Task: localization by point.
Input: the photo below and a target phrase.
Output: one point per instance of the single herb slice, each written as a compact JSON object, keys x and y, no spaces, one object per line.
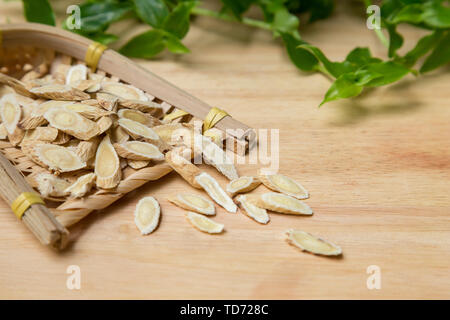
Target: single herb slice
{"x":203,"y":223}
{"x":258,"y":214}
{"x":284,"y":184}
{"x":147,"y":215}
{"x":213,"y":189}
{"x":193,"y":202}
{"x":307,"y":242}
{"x":281,"y":203}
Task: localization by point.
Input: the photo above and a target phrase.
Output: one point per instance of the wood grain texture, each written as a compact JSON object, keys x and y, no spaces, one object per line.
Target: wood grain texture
{"x":377,"y":168}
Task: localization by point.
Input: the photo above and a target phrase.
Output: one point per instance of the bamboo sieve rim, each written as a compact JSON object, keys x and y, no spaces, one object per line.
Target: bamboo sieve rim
{"x":24,"y":201}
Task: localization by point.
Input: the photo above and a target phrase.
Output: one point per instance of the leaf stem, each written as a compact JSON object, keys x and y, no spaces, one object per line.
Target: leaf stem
{"x":226,"y":17}
{"x":378,"y":32}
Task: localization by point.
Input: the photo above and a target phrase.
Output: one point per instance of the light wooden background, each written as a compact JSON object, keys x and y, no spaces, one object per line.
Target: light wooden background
{"x":377,"y":168}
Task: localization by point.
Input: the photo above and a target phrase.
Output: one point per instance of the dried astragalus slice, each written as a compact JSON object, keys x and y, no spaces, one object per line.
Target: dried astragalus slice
{"x":60,"y":92}
{"x":215,"y":156}
{"x":50,"y":185}
{"x":72,"y":123}
{"x":119,"y":135}
{"x":242,"y":184}
{"x":123,"y":91}
{"x":104,"y":123}
{"x":15,"y":84}
{"x":138,"y":164}
{"x":138,"y":130}
{"x":75,"y":74}
{"x":146,"y":215}
{"x":137,"y":150}
{"x":36,"y":118}
{"x":86,"y":149}
{"x":150,"y":107}
{"x":10,"y":112}
{"x":185,"y":168}
{"x":193,"y":202}
{"x":283,"y":184}
{"x":3,"y":132}
{"x":88,"y":111}
{"x":107,"y":165}
{"x":62,"y":138}
{"x":82,"y":186}
{"x":279,"y":202}
{"x":307,"y":242}
{"x":203,"y":223}
{"x":139,"y":116}
{"x":54,"y":157}
{"x":213,"y":189}
{"x":176,"y":134}
{"x":258,"y":214}
{"x":46,"y":134}
{"x":107,"y":101}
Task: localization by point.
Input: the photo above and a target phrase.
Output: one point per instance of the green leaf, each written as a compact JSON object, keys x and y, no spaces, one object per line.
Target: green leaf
{"x":284,"y":21}
{"x":395,"y":40}
{"x":145,"y":45}
{"x":439,"y":56}
{"x":38,"y":11}
{"x":174,"y":45}
{"x":436,"y":15}
{"x":344,"y":87}
{"x":361,"y":56}
{"x":423,"y":46}
{"x":334,"y":68}
{"x":389,"y":72}
{"x":152,"y":12}
{"x":302,"y":58}
{"x":237,"y":7}
{"x":97,"y":16}
{"x":177,"y":22}
{"x":412,"y":13}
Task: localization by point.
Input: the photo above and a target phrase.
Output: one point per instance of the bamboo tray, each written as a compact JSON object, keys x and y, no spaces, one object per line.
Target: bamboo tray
{"x":34,"y":44}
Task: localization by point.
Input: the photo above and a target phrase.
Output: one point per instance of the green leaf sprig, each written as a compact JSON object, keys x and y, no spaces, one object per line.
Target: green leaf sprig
{"x":169,"y":22}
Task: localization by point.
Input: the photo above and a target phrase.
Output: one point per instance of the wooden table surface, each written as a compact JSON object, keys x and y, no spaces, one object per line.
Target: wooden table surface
{"x":377,"y":168}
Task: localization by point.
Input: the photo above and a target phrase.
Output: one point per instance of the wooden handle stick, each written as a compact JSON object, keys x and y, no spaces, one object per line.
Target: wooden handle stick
{"x":15,"y":191}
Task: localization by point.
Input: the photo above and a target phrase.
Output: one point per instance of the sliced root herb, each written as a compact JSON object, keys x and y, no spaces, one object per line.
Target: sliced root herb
{"x":137,"y":150}
{"x":82,"y":186}
{"x":72,"y":123}
{"x":307,"y":242}
{"x":203,"y":223}
{"x":193,"y":202}
{"x":258,"y":214}
{"x":212,"y":187}
{"x":54,"y":157}
{"x":147,"y":214}
{"x":107,"y":165}
{"x":185,"y":168}
{"x":281,"y":203}
{"x":242,"y":184}
{"x":283,"y":184}
{"x":59,"y":92}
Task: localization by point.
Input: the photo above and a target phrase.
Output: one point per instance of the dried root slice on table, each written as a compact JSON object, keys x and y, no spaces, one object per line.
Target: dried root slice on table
{"x":87,"y":111}
{"x":76,"y":74}
{"x":123,"y":91}
{"x":82,"y":186}
{"x":138,"y":116}
{"x":3,"y":132}
{"x":138,"y":130}
{"x":50,"y":185}
{"x":242,"y":185}
{"x":203,"y":223}
{"x":283,"y":184}
{"x":138,"y":150}
{"x":185,"y":168}
{"x":16,"y":85}
{"x":72,"y":123}
{"x":107,"y":165}
{"x":258,"y":214}
{"x":310,"y":243}
{"x":53,"y":157}
{"x":138,"y":164}
{"x":146,"y":215}
{"x":45,"y":134}
{"x":10,"y":114}
{"x":213,"y":189}
{"x":281,"y":203}
{"x":176,"y":134}
{"x":193,"y":202}
{"x":216,"y":156}
{"x":60,"y":92}
{"x":150,"y":107}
